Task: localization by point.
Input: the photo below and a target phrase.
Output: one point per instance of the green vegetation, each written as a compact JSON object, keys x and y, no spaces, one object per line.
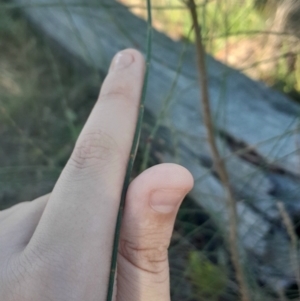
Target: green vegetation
{"x":236,"y":33}
{"x":219,"y":19}
{"x":39,"y":96}
{"x":209,"y":280}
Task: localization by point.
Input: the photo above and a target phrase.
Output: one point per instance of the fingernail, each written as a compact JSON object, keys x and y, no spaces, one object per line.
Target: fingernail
{"x":122,"y":60}
{"x":166,"y":201}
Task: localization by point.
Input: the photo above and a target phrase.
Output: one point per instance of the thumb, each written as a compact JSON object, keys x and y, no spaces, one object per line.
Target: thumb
{"x":152,"y":202}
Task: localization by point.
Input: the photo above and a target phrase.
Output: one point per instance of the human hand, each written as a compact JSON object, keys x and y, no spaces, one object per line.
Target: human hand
{"x":58,"y":247}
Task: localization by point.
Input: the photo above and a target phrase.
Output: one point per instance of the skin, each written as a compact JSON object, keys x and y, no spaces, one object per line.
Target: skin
{"x":58,"y":247}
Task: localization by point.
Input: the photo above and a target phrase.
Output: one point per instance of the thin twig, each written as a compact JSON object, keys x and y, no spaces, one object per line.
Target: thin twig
{"x":166,"y":105}
{"x":281,"y":294}
{"x":130,"y":162}
{"x":218,"y":162}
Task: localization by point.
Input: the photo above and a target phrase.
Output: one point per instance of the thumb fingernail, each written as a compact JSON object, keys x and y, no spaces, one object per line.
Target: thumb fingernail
{"x":166,"y":201}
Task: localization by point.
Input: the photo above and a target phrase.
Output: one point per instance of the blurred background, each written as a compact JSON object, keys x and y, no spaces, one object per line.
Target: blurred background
{"x":53,"y":58}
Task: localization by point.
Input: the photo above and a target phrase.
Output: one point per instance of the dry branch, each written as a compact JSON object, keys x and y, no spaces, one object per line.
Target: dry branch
{"x":218,"y":161}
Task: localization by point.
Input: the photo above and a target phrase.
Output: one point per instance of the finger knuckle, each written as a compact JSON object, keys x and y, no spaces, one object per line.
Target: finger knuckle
{"x":122,"y":95}
{"x":29,"y":270}
{"x":152,"y":258}
{"x":118,"y":93}
{"x":14,"y":276}
{"x":93,"y":149}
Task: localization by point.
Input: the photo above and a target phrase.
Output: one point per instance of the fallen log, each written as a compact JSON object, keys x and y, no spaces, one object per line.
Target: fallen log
{"x":256,"y":127}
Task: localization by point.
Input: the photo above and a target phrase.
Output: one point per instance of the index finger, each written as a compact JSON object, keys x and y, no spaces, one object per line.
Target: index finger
{"x":83,"y":206}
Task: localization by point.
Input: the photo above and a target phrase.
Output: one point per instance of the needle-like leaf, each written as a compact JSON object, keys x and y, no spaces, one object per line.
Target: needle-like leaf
{"x":131,"y":159}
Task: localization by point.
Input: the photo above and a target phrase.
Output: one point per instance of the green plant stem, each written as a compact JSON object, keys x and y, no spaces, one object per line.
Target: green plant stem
{"x":162,"y":113}
{"x":218,"y":162}
{"x":130,"y":161}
